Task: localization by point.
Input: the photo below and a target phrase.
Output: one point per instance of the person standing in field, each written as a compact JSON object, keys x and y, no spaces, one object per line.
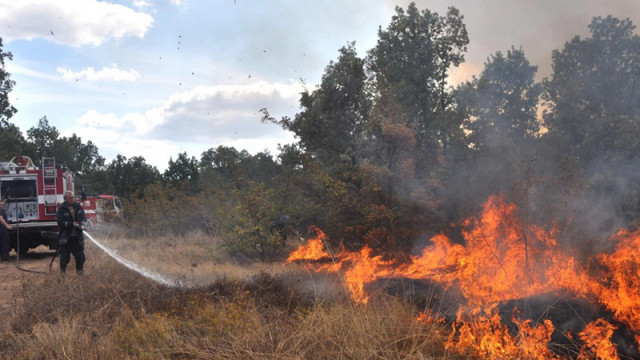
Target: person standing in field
{"x":70,"y":217}
{"x":4,"y":233}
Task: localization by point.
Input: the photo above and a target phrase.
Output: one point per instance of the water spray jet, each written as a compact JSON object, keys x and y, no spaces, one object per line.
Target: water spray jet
{"x":132,"y":266}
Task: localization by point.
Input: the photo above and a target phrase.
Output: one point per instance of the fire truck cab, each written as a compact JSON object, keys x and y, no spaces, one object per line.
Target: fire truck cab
{"x":101,"y":209}
{"x":33,"y":195}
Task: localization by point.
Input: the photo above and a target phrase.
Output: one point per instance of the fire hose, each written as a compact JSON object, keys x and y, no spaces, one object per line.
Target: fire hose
{"x":144,"y":272}
{"x":18,"y":250}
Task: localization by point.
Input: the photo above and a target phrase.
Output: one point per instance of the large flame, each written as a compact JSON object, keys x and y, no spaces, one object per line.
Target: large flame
{"x":314,"y":250}
{"x":596,"y":336}
{"x":487,"y":337}
{"x":620,"y":286}
{"x":503,"y":259}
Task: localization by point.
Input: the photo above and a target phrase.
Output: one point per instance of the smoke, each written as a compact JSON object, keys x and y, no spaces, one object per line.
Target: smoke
{"x":609,"y":202}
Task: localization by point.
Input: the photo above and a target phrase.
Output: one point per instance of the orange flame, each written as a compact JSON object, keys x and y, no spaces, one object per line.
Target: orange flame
{"x":503,"y":259}
{"x":487,"y":337}
{"x":314,"y":250}
{"x":622,"y":293}
{"x":496,"y":264}
{"x":597,"y":339}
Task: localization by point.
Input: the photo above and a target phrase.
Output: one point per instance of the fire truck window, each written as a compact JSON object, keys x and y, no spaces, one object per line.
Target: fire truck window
{"x":19,"y":189}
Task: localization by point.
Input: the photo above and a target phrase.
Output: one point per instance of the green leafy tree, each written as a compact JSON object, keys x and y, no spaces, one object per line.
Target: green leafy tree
{"x":501,"y":105}
{"x":12,"y":142}
{"x":410,"y":66}
{"x":333,"y":122}
{"x":593,"y":95}
{"x":43,"y":137}
{"x":131,"y":176}
{"x":80,"y":157}
{"x":263,"y":168}
{"x":294,"y":189}
{"x":499,"y":111}
{"x":593,"y":122}
{"x":254,"y":233}
{"x":222,"y":162}
{"x":182,"y":170}
{"x":395,"y":206}
{"x":500,"y":116}
{"x":83,"y":159}
{"x":332,"y":129}
{"x":363,"y":136}
{"x":6,"y":85}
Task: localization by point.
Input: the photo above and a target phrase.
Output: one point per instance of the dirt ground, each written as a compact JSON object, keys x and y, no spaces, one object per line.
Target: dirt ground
{"x":35,"y":263}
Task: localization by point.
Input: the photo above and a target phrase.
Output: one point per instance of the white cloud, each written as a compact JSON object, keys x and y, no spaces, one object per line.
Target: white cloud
{"x":71,"y":22}
{"x":94,"y":119}
{"x":112,"y":142}
{"x":231,"y":92}
{"x":111,"y":73}
{"x":194,"y":121}
{"x":17,"y":69}
{"x":136,"y":124}
{"x":141,"y":4}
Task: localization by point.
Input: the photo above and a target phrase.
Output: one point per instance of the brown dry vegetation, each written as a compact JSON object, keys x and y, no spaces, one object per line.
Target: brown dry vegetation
{"x":224,"y":311}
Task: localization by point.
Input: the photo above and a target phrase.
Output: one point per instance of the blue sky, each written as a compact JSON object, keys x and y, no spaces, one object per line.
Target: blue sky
{"x":154,"y":78}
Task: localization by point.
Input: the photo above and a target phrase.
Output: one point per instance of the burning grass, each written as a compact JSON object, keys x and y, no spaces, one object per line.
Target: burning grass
{"x":114,"y":313}
{"x":501,"y":262}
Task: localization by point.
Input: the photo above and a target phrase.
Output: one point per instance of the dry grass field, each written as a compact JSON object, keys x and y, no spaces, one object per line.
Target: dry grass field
{"x":217,"y":309}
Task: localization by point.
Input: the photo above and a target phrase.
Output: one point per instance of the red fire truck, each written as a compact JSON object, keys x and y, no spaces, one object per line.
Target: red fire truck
{"x":32,"y":195}
{"x":101,"y":209}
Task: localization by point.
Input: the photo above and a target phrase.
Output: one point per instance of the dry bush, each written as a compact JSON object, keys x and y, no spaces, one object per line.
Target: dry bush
{"x":385,"y":330}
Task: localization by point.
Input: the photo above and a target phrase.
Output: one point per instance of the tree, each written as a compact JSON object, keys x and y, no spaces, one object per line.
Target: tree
{"x":499,"y":112}
{"x":6,"y":85}
{"x":222,"y":160}
{"x":333,"y":120}
{"x":593,"y":122}
{"x":332,"y":128}
{"x":501,"y":105}
{"x":131,"y":176}
{"x":79,"y":157}
{"x":409,"y":67}
{"x":593,"y":94}
{"x":394,"y":204}
{"x":43,"y":137}
{"x":370,"y":122}
{"x":184,"y":169}
{"x":254,"y":232}
{"x":12,"y":142}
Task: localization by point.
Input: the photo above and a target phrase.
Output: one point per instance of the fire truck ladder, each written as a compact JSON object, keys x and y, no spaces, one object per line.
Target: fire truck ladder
{"x":49,"y":186}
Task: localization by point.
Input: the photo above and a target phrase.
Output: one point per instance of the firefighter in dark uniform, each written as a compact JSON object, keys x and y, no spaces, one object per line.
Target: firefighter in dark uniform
{"x":4,"y":233}
{"x":71,"y":219}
